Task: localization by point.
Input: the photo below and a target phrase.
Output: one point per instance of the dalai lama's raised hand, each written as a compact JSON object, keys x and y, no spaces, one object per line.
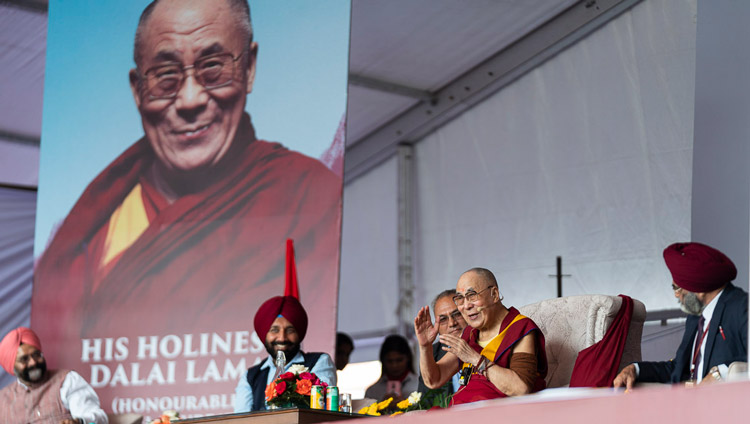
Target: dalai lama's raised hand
{"x":425,"y":331}
{"x":460,"y":348}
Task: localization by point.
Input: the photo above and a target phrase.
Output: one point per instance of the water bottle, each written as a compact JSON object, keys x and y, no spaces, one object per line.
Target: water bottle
{"x":280,"y":364}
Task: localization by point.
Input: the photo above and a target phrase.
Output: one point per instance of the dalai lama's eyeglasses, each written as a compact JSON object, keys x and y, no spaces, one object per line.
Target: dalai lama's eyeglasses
{"x":470,"y":296}
{"x":214,"y":71}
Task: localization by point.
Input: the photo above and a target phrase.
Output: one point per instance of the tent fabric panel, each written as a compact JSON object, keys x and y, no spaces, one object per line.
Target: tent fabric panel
{"x":588,"y":156}
{"x":17,"y":211}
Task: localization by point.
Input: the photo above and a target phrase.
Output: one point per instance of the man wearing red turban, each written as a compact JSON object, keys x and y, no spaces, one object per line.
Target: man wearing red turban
{"x":54,"y":396}
{"x":281,"y":322}
{"x":716,"y":327}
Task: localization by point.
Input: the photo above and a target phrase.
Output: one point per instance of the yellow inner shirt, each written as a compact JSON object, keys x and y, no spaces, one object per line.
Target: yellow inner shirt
{"x":126,"y":224}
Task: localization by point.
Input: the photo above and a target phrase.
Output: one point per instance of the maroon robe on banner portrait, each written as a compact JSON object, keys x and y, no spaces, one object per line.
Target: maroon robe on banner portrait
{"x":204,"y":264}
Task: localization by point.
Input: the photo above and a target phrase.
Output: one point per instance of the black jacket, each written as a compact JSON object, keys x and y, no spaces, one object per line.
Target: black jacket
{"x":731,"y":315}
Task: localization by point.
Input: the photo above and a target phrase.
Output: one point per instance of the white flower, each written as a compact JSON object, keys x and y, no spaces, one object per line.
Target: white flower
{"x":414,"y":398}
{"x":171,"y":413}
{"x":298,"y":369}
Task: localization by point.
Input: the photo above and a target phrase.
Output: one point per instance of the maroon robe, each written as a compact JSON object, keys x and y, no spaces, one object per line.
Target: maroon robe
{"x":205,"y":263}
{"x":479,"y":387}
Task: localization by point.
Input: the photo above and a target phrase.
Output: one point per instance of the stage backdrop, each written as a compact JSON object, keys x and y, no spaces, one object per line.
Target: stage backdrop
{"x":151,"y":297}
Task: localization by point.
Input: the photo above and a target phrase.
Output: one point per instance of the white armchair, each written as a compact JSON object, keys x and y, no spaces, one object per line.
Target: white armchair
{"x":573,"y":323}
{"x":737,"y":371}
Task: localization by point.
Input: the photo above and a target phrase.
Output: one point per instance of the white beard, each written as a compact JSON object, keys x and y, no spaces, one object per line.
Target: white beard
{"x":35,"y":375}
{"x":691,"y":305}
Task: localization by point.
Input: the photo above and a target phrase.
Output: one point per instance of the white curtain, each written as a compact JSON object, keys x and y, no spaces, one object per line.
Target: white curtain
{"x":368,"y":285}
{"x":588,"y":156}
{"x":369,"y":276}
{"x":17,"y":212}
{"x":23,"y":41}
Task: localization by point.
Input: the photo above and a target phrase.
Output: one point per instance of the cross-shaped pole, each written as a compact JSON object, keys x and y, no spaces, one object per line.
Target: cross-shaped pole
{"x":559,"y":276}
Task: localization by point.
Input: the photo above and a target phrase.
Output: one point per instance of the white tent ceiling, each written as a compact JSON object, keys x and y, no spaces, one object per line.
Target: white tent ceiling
{"x":423,"y":45}
{"x":416,"y":65}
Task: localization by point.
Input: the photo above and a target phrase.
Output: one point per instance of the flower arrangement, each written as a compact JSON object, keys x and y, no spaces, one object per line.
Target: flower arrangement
{"x":412,"y":403}
{"x":432,"y":399}
{"x":292,"y":388}
{"x":167,"y":417}
{"x":376,"y":408}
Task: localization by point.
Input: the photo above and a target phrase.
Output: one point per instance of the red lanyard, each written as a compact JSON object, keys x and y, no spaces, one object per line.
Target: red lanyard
{"x":698,"y":348}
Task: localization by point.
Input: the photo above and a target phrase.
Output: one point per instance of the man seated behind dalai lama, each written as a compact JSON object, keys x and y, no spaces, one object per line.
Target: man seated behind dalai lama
{"x":198,"y":201}
{"x":501,"y":349}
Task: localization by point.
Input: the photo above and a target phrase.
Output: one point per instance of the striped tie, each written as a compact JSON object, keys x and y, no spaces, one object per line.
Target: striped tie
{"x":698,"y":343}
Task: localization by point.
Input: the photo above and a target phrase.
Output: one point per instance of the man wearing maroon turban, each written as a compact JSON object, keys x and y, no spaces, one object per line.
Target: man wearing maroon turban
{"x":54,"y":396}
{"x":716,"y":327}
{"x":281,"y":322}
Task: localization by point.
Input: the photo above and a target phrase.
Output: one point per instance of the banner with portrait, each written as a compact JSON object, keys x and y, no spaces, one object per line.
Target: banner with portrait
{"x":178,"y":156}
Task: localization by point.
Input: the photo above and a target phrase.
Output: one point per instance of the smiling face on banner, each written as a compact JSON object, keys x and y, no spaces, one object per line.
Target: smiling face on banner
{"x":196,"y":66}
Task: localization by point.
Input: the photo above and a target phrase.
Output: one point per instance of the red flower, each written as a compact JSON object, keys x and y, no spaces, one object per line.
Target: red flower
{"x":280,"y":387}
{"x":318,"y":382}
{"x":306,"y":376}
{"x":287,"y":376}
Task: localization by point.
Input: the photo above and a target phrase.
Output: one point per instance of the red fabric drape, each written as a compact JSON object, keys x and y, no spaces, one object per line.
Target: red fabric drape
{"x":291,"y":287}
{"x":597,"y":365}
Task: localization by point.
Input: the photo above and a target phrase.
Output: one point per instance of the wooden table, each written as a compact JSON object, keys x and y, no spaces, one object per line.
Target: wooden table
{"x":277,"y":416}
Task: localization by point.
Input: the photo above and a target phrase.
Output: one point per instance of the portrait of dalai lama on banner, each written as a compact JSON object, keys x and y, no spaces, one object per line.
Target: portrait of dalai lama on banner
{"x":184,"y":231}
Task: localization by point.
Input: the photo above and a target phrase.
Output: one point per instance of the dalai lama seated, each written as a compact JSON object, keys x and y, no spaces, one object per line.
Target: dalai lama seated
{"x":500,"y":352}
